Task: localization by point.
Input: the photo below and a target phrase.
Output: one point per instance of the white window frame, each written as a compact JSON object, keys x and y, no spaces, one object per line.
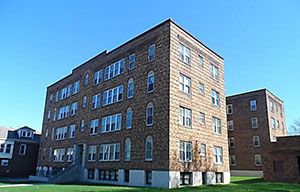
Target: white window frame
{"x":214,"y":72}
{"x":149,"y":149}
{"x":4,"y":162}
{"x":184,"y":84}
{"x":114,"y":69}
{"x":72,"y":131}
{"x":151,"y":53}
{"x":92,"y":153}
{"x":109,"y":152}
{"x":129,"y":118}
{"x":256,"y":120}
{"x":231,"y":142}
{"x":24,"y":150}
{"x":215,"y":98}
{"x":130,"y":88}
{"x":202,"y":118}
{"x":185,"y":116}
{"x":184,"y":54}
{"x":257,"y":157}
{"x":97,"y":77}
{"x":273,"y":123}
{"x":96,"y":101}
{"x":131,"y":61}
{"x":201,"y":88}
{"x":185,"y":151}
{"x":256,"y":138}
{"x":230,"y":126}
{"x":86,"y":79}
{"x":127,"y":149}
{"x":76,"y":87}
{"x":253,"y":105}
{"x":113,"y":95}
{"x":217,"y":125}
{"x":74,"y":108}
{"x":94,"y":125}
{"x":148,"y":114}
{"x":232,"y":158}
{"x":200,"y":61}
{"x":203,"y":150}
{"x":218,"y":155}
{"x":70,"y":154}
{"x":229,"y":109}
{"x":149,"y":82}
{"x":111,"y":123}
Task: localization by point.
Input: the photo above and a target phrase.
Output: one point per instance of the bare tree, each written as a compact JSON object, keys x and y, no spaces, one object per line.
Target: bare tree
{"x":295,"y":128}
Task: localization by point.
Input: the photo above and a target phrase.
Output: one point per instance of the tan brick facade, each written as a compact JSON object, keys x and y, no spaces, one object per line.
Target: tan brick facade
{"x":243,"y":132}
{"x":166,"y":98}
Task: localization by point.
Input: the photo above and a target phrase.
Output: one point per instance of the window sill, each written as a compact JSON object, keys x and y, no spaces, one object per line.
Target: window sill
{"x":187,"y":94}
{"x":218,"y":134}
{"x":148,"y":160}
{"x":188,"y":64}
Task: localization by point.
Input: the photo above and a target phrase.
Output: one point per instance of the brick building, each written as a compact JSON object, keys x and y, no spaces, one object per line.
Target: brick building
{"x":254,"y":120}
{"x":282,"y":163}
{"x":18,"y":151}
{"x":149,"y":113}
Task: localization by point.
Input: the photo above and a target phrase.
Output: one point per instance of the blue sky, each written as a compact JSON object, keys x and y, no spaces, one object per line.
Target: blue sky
{"x":42,"y":41}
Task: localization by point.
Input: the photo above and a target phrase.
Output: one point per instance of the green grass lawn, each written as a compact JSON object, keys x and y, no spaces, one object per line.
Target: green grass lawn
{"x":238,"y":184}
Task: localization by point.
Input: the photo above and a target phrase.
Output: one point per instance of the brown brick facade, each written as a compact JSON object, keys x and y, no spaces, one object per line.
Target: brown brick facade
{"x":166,"y":98}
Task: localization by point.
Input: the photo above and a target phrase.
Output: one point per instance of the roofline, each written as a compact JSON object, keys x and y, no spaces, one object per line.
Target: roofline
{"x":169,"y":20}
{"x":258,"y":90}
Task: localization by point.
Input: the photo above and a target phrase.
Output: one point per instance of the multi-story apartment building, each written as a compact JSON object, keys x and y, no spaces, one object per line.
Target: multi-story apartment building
{"x":151,"y":112}
{"x":18,"y":151}
{"x":254,"y":120}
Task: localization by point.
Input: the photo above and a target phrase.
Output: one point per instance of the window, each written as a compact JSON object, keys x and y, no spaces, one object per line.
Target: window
{"x":72,"y":131}
{"x":231,"y":142}
{"x":278,"y":166}
{"x":149,"y":149}
{"x":56,"y":96}
{"x":184,"y":84}
{"x":282,"y":126}
{"x":50,"y":154}
{"x":130,"y":88}
{"x":76,"y":87}
{"x":94,"y":126}
{"x":59,"y":155}
{"x":46,"y":134}
{"x":127,"y":149}
{"x":201,"y":88}
{"x":203,"y":150}
{"x":109,"y":152}
{"x":126,"y":176}
{"x":129,"y":118}
{"x":202,"y":118}
{"x":214,"y":72}
{"x":50,"y":98}
{"x":86,"y":79}
{"x":69,"y":90}
{"x":232,"y":160}
{"x":257,"y":160}
{"x":49,"y":114}
{"x":53,"y":133}
{"x":84,"y":102}
{"x":111,"y":123}
{"x":219,"y":177}
{"x":82,"y":125}
{"x":54,"y":114}
{"x":70,"y":153}
{"x":216,"y":125}
{"x":148,"y":176}
{"x":74,"y":108}
{"x":218,"y":155}
{"x":271,"y":106}
{"x":61,"y":133}
{"x":229,"y":109}
{"x":215,"y":98}
{"x":185,"y":116}
{"x":280,"y":110}
{"x":254,"y":122}
{"x":150,"y":82}
{"x":96,"y":101}
{"x":111,"y":175}
{"x":64,"y":112}
{"x":8,"y":148}
{"x":230,"y":125}
{"x":184,"y":54}
{"x":151,"y":53}
{"x":278,"y":125}
{"x":256,"y":141}
{"x":92,"y":153}
{"x":4,"y":163}
{"x":131,"y":61}
{"x":113,"y":95}
{"x":200,"y":61}
{"x":22,"y":150}
{"x":97,"y":77}
{"x":114,"y":69}
{"x":91,"y":174}
{"x":253,"y":106}
{"x":149,"y":114}
{"x":185,"y":151}
{"x":273,"y":123}
{"x":185,"y":178}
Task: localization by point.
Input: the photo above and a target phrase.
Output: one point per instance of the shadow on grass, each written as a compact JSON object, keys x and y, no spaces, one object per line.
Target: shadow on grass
{"x":249,"y":181}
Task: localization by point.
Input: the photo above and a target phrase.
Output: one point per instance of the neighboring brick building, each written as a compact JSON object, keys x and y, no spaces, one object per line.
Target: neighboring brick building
{"x":282,"y":164}
{"x":18,"y":151}
{"x":149,"y":113}
{"x":254,"y":120}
